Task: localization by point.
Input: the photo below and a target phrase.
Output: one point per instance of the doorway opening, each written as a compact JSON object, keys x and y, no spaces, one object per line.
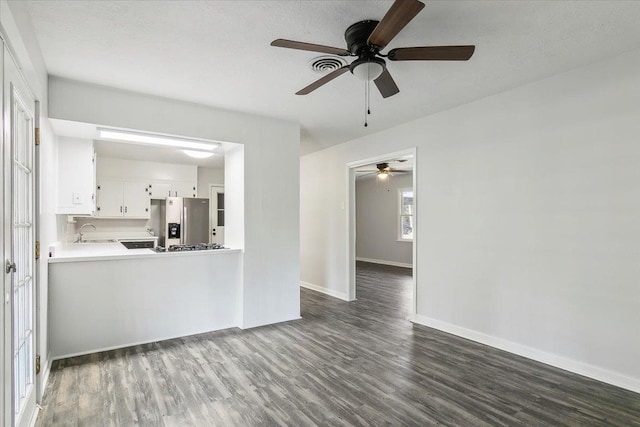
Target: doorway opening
{"x":216,"y":213}
{"x":382,"y":226}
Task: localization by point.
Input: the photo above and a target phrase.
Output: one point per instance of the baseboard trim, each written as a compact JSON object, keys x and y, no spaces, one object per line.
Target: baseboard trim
{"x":258,"y":325}
{"x":379,"y":261}
{"x":45,"y":377}
{"x":132,"y":344}
{"x":584,"y":369}
{"x":331,"y":292}
{"x":34,"y":416}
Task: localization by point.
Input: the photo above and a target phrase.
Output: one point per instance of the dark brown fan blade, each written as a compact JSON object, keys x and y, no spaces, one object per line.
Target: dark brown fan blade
{"x":399,"y":14}
{"x":432,"y":53}
{"x":386,"y":85}
{"x":326,"y":79}
{"x":291,"y":44}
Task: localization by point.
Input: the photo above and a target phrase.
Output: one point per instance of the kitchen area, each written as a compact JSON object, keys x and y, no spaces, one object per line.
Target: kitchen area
{"x":141,"y":254}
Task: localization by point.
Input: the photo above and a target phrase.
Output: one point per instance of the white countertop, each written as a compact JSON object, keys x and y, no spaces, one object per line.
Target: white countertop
{"x":111,"y":251}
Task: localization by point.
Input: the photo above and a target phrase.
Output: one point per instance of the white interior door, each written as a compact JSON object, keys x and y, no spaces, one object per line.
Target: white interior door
{"x":19,"y":268}
{"x":216,"y":210}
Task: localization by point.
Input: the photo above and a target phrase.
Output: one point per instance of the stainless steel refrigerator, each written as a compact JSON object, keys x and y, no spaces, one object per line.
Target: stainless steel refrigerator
{"x":183,"y":221}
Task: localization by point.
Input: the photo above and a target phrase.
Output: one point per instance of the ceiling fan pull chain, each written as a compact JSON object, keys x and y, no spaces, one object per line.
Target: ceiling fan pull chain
{"x":365,"y":105}
{"x":368,"y":96}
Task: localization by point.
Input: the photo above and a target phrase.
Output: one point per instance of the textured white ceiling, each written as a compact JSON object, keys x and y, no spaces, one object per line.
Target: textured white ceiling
{"x":217,"y":53}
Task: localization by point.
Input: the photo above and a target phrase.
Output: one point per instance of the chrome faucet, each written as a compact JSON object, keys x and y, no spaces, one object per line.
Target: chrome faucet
{"x":80,"y":240}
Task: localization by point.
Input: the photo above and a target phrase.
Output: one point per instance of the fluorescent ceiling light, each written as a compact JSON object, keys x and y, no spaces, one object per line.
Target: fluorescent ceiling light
{"x":152,"y":139}
{"x":198,"y":154}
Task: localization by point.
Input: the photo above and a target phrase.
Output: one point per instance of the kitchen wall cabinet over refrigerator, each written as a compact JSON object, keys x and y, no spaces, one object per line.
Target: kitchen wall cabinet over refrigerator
{"x":117,"y":199}
{"x":161,"y":190}
{"x":76,"y":178}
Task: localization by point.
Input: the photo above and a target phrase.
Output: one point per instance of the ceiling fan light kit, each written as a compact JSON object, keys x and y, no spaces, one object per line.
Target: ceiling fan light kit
{"x":366,"y":39}
{"x":367,"y":69}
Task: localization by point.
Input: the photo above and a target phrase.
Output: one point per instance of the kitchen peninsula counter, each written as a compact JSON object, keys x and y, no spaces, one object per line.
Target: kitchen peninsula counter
{"x":103,"y":296}
{"x":110,"y":251}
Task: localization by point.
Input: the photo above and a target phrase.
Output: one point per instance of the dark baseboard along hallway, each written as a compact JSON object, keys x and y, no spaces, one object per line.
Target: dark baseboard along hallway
{"x":358,"y":363}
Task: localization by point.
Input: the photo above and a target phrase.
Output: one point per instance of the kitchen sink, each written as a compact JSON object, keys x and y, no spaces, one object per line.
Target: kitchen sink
{"x":138,"y":244}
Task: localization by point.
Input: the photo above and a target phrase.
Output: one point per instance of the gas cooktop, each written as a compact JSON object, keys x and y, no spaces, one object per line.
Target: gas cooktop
{"x":187,"y":248}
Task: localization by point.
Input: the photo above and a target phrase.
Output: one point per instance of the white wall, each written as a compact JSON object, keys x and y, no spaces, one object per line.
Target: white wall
{"x":528,"y":218}
{"x":207,"y":176}
{"x":377,"y":221}
{"x":271,"y":198}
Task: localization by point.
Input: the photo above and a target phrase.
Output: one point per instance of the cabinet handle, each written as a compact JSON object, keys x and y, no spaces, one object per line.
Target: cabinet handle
{"x":125,"y":209}
{"x":120,"y":209}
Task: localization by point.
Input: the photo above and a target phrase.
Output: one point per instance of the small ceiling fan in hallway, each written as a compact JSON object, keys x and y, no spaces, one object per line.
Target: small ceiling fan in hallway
{"x":384,"y":170}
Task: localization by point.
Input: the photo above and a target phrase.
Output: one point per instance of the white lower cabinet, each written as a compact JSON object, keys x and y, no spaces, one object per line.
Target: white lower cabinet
{"x":117,"y":199}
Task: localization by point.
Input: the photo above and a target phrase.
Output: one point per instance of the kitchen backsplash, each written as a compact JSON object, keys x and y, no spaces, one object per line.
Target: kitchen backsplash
{"x":108,"y":229}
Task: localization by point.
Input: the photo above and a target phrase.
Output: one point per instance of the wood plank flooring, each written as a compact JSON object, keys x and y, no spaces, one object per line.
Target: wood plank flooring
{"x":358,"y":363}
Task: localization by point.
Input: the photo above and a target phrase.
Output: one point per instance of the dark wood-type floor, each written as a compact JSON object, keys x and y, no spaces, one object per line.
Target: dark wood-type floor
{"x":358,"y":363}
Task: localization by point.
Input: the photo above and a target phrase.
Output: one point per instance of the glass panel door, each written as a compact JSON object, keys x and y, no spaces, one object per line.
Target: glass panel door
{"x":19,"y":136}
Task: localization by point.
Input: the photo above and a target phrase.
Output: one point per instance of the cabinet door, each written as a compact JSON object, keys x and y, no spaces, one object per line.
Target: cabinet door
{"x":183,"y":189}
{"x":160,"y":190}
{"x":109,"y":203}
{"x":136,"y":200}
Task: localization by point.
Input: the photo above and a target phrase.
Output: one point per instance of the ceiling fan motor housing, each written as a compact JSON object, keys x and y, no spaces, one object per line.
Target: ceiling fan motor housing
{"x":357,"y":36}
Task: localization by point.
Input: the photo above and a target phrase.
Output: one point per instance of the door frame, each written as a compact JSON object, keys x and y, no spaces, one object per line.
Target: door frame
{"x":211,"y":213}
{"x":351,"y":221}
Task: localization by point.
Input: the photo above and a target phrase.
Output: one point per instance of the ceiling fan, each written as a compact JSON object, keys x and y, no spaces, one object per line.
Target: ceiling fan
{"x":384,"y":171}
{"x":365,"y":40}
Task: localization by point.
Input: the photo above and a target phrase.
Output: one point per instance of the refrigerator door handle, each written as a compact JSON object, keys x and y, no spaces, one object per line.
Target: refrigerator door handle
{"x":184,"y":225}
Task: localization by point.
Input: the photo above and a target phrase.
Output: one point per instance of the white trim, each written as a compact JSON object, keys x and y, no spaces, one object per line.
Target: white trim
{"x":379,"y":261}
{"x":577,"y":367}
{"x":34,"y":416}
{"x":331,"y":292}
{"x":45,"y":379}
{"x":258,"y":325}
{"x":133,"y":344}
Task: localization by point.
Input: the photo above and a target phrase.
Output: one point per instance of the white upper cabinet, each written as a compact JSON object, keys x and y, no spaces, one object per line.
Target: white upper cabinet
{"x":162,"y":179}
{"x":136,"y":199}
{"x":184,"y":189}
{"x":160,"y":190}
{"x":118,"y":199}
{"x":76,"y":178}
